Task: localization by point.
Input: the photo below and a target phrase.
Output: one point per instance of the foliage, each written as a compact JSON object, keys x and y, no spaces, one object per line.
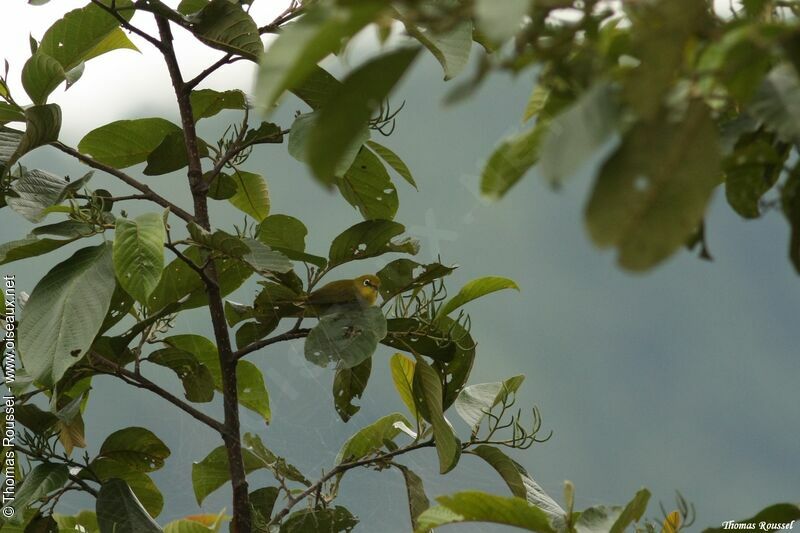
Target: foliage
{"x":672,"y":98}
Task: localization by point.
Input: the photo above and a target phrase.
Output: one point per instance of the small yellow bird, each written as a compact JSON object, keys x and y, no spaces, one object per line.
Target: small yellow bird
{"x":362,"y":290}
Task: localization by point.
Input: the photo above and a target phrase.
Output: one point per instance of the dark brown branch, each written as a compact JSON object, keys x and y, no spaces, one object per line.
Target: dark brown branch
{"x":289,"y":335}
{"x":242,"y":518}
{"x":227,"y":59}
{"x":122,"y":176}
{"x":342,"y":468}
{"x":139,"y":381}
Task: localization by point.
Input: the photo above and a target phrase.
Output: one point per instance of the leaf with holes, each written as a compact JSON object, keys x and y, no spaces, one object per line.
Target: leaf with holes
{"x":367,"y":187}
{"x":346,"y":336}
{"x":370,"y":239}
{"x":348,"y":385}
{"x":136,"y":447}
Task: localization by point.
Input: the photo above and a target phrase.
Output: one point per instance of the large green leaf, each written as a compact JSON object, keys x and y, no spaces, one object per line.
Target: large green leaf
{"x":415,"y":491}
{"x":228,"y":27}
{"x":123,"y":143}
{"x":483,"y":507}
{"x":346,"y":336}
{"x":29,"y":247}
{"x":139,"y":254}
{"x":369,"y":239}
{"x":451,"y":48}
{"x":119,"y":511}
{"x":348,"y":385}
{"x":652,"y":194}
{"x":82,"y":34}
{"x":40,"y":76}
{"x":428,"y":396}
{"x":299,"y":139}
{"x":11,"y":113}
{"x":577,"y":134}
{"x":476,"y":288}
{"x":294,"y":55}
{"x":170,"y":154}
{"x":775,"y":517}
{"x":347,"y":111}
{"x":519,"y":482}
{"x":367,"y":187}
{"x":36,"y":191}
{"x":283,"y":231}
{"x":475,"y":401}
{"x":140,"y":483}
{"x":208,"y":102}
{"x":42,"y":480}
{"x":138,"y":448}
{"x":198,"y":383}
{"x":250,"y":382}
{"x":42,"y":126}
{"x":252,"y":195}
{"x":371,"y":438}
{"x":394,"y":161}
{"x":65,"y":312}
{"x":213,"y":471}
{"x":317,"y":86}
{"x":511,"y":160}
{"x":776,"y":104}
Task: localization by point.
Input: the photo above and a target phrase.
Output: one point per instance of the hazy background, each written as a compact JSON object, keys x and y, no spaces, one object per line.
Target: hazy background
{"x":682,"y":379}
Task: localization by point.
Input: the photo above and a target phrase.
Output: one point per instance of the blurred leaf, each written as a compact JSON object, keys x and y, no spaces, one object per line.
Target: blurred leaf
{"x":511,"y":160}
{"x":263,"y":501}
{"x":750,"y":171}
{"x":577,"y":134}
{"x":317,"y":86}
{"x":394,"y":161}
{"x":428,"y":395}
{"x":294,"y":55}
{"x":333,"y":520}
{"x":473,"y":290}
{"x":40,"y":77}
{"x":11,"y":113}
{"x":346,"y":336}
{"x":348,"y":385}
{"x":371,"y":438}
{"x":227,"y":27}
{"x":83,"y":522}
{"x":403,"y":377}
{"x":475,"y":401}
{"x":119,"y":511}
{"x":597,"y":519}
{"x":483,"y":507}
{"x":777,"y":516}
{"x":672,"y":523}
{"x":299,"y":138}
{"x":42,"y":126}
{"x":369,"y":239}
{"x":501,"y":20}
{"x":208,"y":102}
{"x":65,"y":312}
{"x":347,"y":111}
{"x":124,"y":143}
{"x":777,"y":103}
{"x":652,"y":193}
{"x":633,"y":512}
{"x":790,"y":204}
{"x":450,"y":48}
{"x":139,"y":254}
{"x":252,"y":194}
{"x":367,"y":187}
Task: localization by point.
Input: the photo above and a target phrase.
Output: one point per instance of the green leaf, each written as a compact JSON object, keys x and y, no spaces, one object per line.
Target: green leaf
{"x":294,"y":55}
{"x":29,"y":247}
{"x":139,"y":254}
{"x":9,"y":141}
{"x":483,"y":507}
{"x":83,"y":34}
{"x":40,"y":77}
{"x":117,"y":39}
{"x":412,"y":335}
{"x":11,"y":113}
{"x":170,"y":154}
{"x":367,"y":187}
{"x":70,"y":229}
{"x":119,"y":511}
{"x":65,"y":312}
{"x":208,"y":102}
{"x":347,"y":111}
{"x":417,"y":499}
{"x":348,"y":385}
{"x":790,"y":205}
{"x":283,"y":232}
{"x":188,"y":7}
{"x":750,"y":171}
{"x":501,"y":20}
{"x":277,"y":465}
{"x":578,"y":133}
{"x":537,"y":102}
{"x":332,"y":519}
{"x":394,"y":161}
{"x":511,"y":160}
{"x":428,"y":397}
{"x":212,"y":472}
{"x":300,"y":135}
{"x":777,"y":516}
{"x":371,"y":438}
{"x":83,"y":522}
{"x":316,"y":87}
{"x":226,"y":26}
{"x":263,"y":501}
{"x":136,"y":447}
{"x":251,"y":251}
{"x":346,"y":336}
{"x":450,"y":48}
{"x":369,"y":239}
{"x":475,"y":401}
{"x":403,"y":378}
{"x":652,"y":193}
{"x":198,"y":383}
{"x":124,"y":143}
{"x":36,"y":191}
{"x":776,"y":104}
{"x":186,"y":526}
{"x":476,"y":288}
{"x":519,"y":481}
{"x":250,"y":382}
{"x":222,"y":187}
{"x":633,"y":511}
{"x":42,"y":126}
{"x":598,"y":519}
{"x":264,"y":260}
{"x":252,"y":194}
{"x":403,"y":275}
{"x":39,"y":482}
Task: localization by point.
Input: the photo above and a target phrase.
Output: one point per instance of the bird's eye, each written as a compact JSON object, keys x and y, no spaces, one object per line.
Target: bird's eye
{"x":367,"y":283}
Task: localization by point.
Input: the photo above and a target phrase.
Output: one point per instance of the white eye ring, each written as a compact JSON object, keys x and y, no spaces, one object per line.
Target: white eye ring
{"x":367,"y":283}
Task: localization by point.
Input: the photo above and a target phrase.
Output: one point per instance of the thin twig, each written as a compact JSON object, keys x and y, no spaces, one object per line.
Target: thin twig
{"x":127,"y":25}
{"x":289,"y":335}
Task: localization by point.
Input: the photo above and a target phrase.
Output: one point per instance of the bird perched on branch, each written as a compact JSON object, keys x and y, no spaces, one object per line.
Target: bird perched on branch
{"x":362,"y":291}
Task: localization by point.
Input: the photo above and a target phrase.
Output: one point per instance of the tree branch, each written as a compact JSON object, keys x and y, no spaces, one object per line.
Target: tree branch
{"x":340,"y":469}
{"x":289,"y":335}
{"x":122,"y":176}
{"x":127,"y":25}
